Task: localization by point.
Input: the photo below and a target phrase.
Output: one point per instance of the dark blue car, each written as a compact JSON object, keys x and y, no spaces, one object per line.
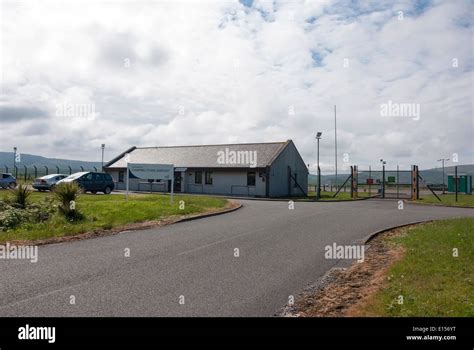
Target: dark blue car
{"x":91,"y":181}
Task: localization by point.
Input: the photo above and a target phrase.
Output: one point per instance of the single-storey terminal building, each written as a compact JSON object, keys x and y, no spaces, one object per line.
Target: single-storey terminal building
{"x":273,"y":169}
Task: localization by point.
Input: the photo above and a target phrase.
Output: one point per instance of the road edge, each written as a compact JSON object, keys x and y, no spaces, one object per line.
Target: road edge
{"x":290,"y":311}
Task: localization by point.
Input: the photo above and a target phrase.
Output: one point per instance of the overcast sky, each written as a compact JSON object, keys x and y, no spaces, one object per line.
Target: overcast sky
{"x":76,"y":74}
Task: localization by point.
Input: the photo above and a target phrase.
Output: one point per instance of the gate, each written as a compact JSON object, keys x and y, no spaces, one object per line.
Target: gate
{"x":400,"y":183}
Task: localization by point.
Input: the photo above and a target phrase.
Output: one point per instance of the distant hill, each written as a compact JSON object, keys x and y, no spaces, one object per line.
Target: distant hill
{"x":430,"y":176}
{"x":6,"y":159}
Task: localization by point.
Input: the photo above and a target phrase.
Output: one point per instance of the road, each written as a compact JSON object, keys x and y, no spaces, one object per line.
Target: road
{"x":190,"y":268}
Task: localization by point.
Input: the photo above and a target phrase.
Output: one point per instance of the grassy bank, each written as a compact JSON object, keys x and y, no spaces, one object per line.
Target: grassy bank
{"x":431,"y":280}
{"x":464,"y":200}
{"x":107,"y":212}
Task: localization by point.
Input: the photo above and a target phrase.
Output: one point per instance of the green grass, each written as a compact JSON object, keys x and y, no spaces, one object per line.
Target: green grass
{"x":109,"y":211}
{"x":326,"y":195}
{"x":464,"y":200}
{"x":431,"y":280}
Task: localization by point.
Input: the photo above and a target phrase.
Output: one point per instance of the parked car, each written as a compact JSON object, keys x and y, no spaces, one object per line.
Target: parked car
{"x":47,"y":182}
{"x":91,"y":181}
{"x":7,"y":180}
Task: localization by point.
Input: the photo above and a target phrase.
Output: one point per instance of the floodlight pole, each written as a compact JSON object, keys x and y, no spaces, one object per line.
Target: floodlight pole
{"x":318,"y":190}
{"x":14,"y":158}
{"x":442,"y":161}
{"x":383,"y":177}
{"x":103,"y":148}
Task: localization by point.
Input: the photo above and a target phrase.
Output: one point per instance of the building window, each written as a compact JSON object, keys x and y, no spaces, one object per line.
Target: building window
{"x":198,"y":177}
{"x":121,"y":175}
{"x":296,"y":181}
{"x":208,"y":178}
{"x":251,"y":179}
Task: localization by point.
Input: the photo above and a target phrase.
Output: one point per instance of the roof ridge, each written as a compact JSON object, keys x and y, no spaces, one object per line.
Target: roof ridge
{"x":222,"y":144}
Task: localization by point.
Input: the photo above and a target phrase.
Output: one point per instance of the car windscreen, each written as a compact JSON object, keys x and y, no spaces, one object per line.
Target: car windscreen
{"x":75,"y":176}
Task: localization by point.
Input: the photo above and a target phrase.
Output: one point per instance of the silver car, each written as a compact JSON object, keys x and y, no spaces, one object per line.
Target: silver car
{"x":47,"y":182}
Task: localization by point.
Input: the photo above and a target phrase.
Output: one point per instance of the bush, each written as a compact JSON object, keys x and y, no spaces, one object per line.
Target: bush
{"x":20,"y":196}
{"x":11,"y":216}
{"x":67,"y":194}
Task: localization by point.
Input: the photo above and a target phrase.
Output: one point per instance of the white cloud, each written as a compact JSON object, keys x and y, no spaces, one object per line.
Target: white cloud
{"x":162,"y":73}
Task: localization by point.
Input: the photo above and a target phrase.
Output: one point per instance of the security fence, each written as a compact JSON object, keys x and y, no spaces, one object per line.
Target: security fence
{"x":29,"y":173}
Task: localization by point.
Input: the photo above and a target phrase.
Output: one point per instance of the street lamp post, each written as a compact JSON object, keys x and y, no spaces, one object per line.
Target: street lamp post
{"x":383,"y":177}
{"x":442,"y":160}
{"x":103,"y":148}
{"x":14,"y":159}
{"x":318,"y":190}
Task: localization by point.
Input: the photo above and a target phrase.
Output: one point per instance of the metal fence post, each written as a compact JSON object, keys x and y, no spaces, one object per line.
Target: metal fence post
{"x":352,"y":181}
{"x":398,"y":182}
{"x":456,"y":181}
{"x":383,"y":180}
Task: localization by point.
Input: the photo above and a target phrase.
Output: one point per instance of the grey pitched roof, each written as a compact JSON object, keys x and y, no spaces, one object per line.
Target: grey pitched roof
{"x":201,"y":156}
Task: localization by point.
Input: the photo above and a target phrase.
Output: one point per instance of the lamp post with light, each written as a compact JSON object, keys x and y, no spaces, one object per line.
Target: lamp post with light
{"x":318,"y":190}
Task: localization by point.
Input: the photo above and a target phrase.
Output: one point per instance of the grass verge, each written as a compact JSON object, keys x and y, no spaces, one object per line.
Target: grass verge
{"x":464,"y":200}
{"x":430,"y":278}
{"x":105,"y":212}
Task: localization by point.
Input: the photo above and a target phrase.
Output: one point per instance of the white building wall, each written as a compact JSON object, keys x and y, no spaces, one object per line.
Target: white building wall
{"x":226,"y":182}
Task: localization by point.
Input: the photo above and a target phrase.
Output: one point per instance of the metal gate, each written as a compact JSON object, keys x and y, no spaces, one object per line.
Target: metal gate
{"x":385,"y":183}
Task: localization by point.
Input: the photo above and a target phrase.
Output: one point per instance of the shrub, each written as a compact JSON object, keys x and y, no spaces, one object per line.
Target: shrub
{"x":11,"y":217}
{"x":20,"y":196}
{"x":67,"y":194}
